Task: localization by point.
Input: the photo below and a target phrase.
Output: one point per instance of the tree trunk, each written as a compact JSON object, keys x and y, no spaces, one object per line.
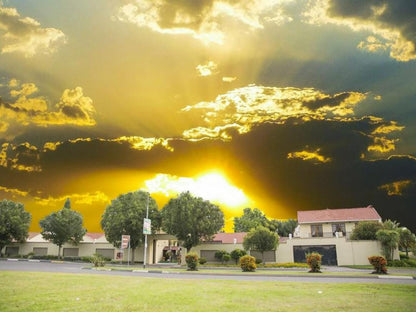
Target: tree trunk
{"x":59,"y":251}
{"x":132,"y":256}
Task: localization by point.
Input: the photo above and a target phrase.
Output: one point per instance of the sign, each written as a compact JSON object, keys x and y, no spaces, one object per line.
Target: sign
{"x":125,"y":239}
{"x":147,"y":226}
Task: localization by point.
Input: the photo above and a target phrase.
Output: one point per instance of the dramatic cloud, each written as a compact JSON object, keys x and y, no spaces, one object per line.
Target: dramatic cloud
{"x":241,"y":108}
{"x":207,"y":69}
{"x":313,"y":156}
{"x":396,"y":188}
{"x":391,"y":23}
{"x":86,"y":198}
{"x":23,"y":157}
{"x":25,"y":35}
{"x":74,"y":108}
{"x":204,"y":20}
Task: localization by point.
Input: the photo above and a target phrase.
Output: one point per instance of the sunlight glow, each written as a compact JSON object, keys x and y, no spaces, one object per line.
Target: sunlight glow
{"x":212,"y":186}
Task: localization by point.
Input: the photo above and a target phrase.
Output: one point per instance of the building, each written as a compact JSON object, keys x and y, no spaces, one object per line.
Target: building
{"x":325,"y":231}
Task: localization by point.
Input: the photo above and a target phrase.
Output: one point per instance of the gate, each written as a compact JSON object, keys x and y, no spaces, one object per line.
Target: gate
{"x":328,"y":252}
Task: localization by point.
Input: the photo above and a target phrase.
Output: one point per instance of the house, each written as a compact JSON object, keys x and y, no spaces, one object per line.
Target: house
{"x":328,"y":231}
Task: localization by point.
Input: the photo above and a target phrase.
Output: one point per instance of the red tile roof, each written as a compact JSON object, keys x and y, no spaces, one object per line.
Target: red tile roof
{"x":94,"y":235}
{"x":228,"y":238}
{"x":335,"y":215}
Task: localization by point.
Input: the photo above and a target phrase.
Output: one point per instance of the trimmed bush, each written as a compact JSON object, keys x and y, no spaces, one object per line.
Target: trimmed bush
{"x":379,"y":263}
{"x":192,"y":261}
{"x":97,"y":260}
{"x":236,"y":254}
{"x":202,"y":260}
{"x":248,"y":263}
{"x":258,"y":261}
{"x":314,"y":259}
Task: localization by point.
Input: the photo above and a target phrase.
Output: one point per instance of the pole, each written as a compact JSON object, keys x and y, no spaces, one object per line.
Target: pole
{"x":128,"y":254}
{"x":145,"y":235}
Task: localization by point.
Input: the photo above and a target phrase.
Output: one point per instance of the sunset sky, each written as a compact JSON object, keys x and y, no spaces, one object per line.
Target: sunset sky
{"x":281,"y":105}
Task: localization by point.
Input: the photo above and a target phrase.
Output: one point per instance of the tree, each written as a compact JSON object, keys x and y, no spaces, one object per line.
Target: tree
{"x":191,"y":219}
{"x":237,"y":253}
{"x":389,"y":241}
{"x":283,"y":228}
{"x":261,"y":239}
{"x":63,"y":226}
{"x":251,"y":218}
{"x":14,"y":223}
{"x":407,"y":240}
{"x":366,"y":230}
{"x":124,"y":216}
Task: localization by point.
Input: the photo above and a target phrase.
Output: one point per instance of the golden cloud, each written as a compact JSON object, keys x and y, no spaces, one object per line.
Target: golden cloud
{"x":313,"y":156}
{"x":207,"y":69}
{"x":382,"y":145}
{"x":25,"y":35}
{"x":390,"y":28}
{"x":85,"y":198}
{"x":395,"y":188}
{"x":241,"y":108}
{"x":13,"y":191}
{"x":73,"y":108}
{"x":387,"y":128}
{"x":203,"y":20}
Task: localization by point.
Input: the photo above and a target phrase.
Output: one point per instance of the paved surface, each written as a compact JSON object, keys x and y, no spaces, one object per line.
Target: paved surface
{"x":159,"y":272}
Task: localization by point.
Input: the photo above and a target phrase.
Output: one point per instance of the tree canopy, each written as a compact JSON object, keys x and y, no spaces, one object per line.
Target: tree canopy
{"x":261,"y":239}
{"x":251,"y":219}
{"x":366,"y":230}
{"x":14,"y":222}
{"x":191,"y":219}
{"x":407,"y":240}
{"x":124,"y":216}
{"x":63,"y":226}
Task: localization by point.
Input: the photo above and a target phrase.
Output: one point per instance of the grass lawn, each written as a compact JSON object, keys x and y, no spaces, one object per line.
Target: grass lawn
{"x":33,"y":291}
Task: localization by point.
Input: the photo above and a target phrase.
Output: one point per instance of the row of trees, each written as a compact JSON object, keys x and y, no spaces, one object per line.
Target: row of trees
{"x":389,"y":233}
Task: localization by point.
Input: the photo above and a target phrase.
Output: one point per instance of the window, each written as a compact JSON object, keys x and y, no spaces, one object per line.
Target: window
{"x":316,"y":230}
{"x":338,"y":227}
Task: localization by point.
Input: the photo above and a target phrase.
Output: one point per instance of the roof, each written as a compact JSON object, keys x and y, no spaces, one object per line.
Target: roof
{"x":228,"y":238}
{"x":338,"y":215}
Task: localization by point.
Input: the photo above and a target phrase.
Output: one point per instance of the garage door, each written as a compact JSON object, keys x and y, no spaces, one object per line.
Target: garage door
{"x":12,"y":251}
{"x":105,"y":252}
{"x":328,"y":252}
{"x":209,"y":255}
{"x":40,"y":251}
{"x":269,"y":256}
{"x":71,"y":252}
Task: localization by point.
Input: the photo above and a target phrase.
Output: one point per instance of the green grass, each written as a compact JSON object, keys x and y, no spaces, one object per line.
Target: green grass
{"x":33,"y":291}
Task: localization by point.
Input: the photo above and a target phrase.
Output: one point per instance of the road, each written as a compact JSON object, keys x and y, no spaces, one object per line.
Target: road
{"x":79,"y":268}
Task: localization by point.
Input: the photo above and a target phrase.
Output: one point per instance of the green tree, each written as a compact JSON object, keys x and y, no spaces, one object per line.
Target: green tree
{"x":283,"y":228}
{"x":14,"y":223}
{"x":63,"y":226}
{"x":389,"y":241}
{"x":407,"y":240}
{"x":366,"y":230}
{"x":261,"y":239}
{"x":191,"y":219}
{"x":251,"y":219}
{"x":124,"y":216}
{"x":236,"y":254}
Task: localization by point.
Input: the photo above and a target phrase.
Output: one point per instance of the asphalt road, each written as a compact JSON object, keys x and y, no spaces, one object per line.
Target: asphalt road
{"x":79,"y":268}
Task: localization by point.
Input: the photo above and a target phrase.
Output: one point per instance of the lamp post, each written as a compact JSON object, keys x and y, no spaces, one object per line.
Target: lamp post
{"x":145,"y":232}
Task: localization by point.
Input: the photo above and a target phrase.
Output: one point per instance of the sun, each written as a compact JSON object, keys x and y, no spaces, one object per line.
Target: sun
{"x":212,"y":186}
{"x":215,"y":187}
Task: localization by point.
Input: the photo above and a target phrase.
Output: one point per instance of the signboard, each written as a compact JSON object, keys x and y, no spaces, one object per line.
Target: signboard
{"x":125,"y":239}
{"x":147,"y":226}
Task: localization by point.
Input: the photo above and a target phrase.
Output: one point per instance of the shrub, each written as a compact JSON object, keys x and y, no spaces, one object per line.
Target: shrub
{"x":192,"y":261}
{"x":258,"y":261}
{"x":314,"y":259}
{"x":379,"y":263}
{"x":236,"y":254}
{"x":97,"y":260}
{"x":202,"y":260}
{"x":222,"y":256}
{"x":248,"y":263}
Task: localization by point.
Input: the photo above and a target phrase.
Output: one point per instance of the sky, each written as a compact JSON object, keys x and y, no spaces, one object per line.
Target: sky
{"x":280,"y":105}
